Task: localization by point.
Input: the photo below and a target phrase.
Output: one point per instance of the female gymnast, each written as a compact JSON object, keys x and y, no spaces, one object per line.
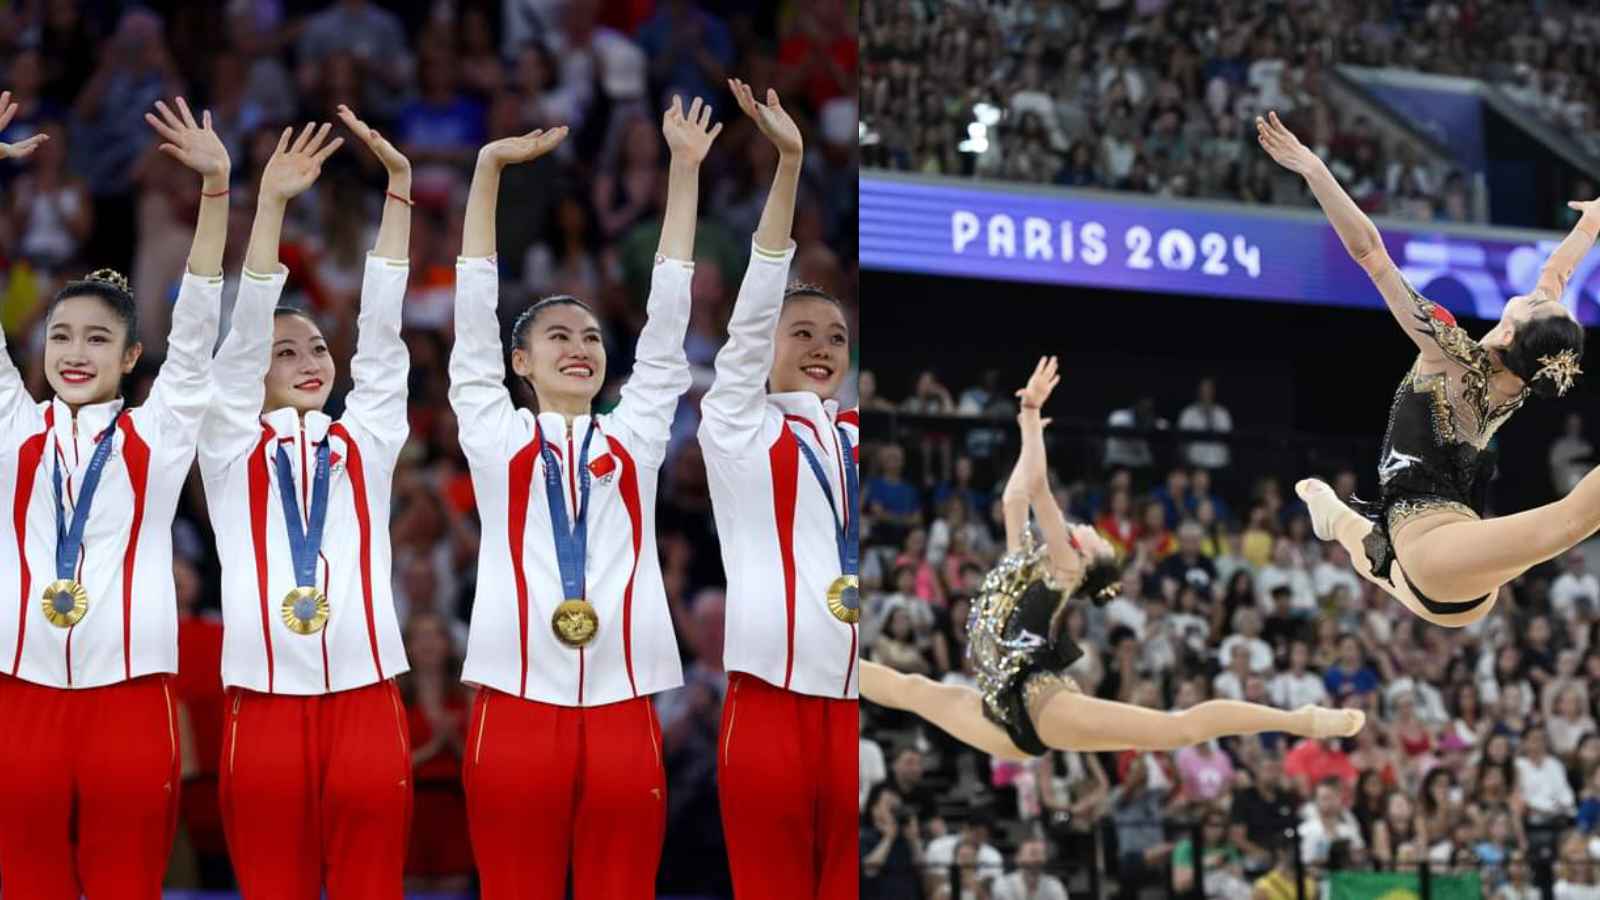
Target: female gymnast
{"x":89,"y":638}
{"x":1024,"y":706}
{"x":571,"y":631}
{"x":783,"y":476}
{"x":1422,"y":541}
{"x":315,"y":755}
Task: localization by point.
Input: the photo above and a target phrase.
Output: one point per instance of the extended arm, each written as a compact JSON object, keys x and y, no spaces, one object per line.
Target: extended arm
{"x":477,"y":363}
{"x":1558,"y":268}
{"x":18,"y":409}
{"x":240,"y":367}
{"x":660,"y":365}
{"x":1360,"y":237}
{"x":182,"y":388}
{"x":733,"y":410}
{"x":381,"y":366}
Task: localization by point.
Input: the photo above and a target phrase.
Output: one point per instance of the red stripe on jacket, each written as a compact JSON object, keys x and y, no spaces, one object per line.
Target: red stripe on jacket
{"x":27,"y":467}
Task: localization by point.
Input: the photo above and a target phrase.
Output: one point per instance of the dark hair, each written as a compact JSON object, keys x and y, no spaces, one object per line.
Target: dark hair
{"x":803,"y":290}
{"x":525,"y":320}
{"x":1100,"y":581}
{"x":110,"y":288}
{"x":1536,"y":341}
{"x":281,"y":311}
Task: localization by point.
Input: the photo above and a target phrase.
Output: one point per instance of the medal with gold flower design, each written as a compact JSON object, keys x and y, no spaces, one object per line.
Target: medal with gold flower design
{"x":575,"y":623}
{"x":305,"y":610}
{"x":844,"y":598}
{"x":66,"y":602}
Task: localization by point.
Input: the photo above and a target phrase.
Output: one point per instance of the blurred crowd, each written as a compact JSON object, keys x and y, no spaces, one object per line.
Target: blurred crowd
{"x":1158,"y":96}
{"x":439,"y":79}
{"x":1480,"y":754}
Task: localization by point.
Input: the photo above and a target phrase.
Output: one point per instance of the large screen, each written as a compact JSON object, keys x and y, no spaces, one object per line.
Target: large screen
{"x":1040,"y":234}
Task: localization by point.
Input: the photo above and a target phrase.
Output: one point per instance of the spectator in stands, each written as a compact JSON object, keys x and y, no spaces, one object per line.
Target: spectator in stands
{"x":905,"y":778}
{"x":1315,"y":763}
{"x":1288,"y":568}
{"x":899,"y":647}
{"x":1571,"y":456}
{"x":437,"y":706}
{"x":1329,"y":821}
{"x":1206,"y":414}
{"x":1279,"y":883}
{"x":1229,"y":683}
{"x":1029,"y":882}
{"x":1145,"y":780}
{"x":1116,"y":523}
{"x":942,"y":851}
{"x":690,"y":49}
{"x":1264,"y":810}
{"x":1223,"y":862}
{"x":1350,"y":674}
{"x":891,"y":848}
{"x":1574,"y":869}
{"x":1247,"y":631}
{"x":1189,"y":566}
{"x":1575,"y":593}
{"x":1542,"y":780}
{"x":372,"y":37}
{"x":1205,"y":773}
{"x":894,"y":504}
{"x":1173,"y":496}
{"x":1297,"y":686}
{"x":1133,"y":452}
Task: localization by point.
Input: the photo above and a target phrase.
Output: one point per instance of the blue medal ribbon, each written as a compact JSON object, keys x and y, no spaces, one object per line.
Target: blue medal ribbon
{"x":304,"y":543}
{"x":69,"y":536}
{"x":848,"y":532}
{"x":572,"y":538}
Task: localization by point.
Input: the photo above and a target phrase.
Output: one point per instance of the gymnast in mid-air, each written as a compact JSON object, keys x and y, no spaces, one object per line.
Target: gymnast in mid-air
{"x":1024,"y":706}
{"x":1423,"y":540}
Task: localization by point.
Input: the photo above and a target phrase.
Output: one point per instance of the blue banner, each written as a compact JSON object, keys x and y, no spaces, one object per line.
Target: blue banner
{"x":939,"y":226}
{"x":1448,"y":109}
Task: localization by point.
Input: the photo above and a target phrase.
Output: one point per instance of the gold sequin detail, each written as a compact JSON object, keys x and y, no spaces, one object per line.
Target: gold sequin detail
{"x":1404,"y":510}
{"x":997,"y":662}
{"x":1041,"y":686}
{"x":1476,"y":370}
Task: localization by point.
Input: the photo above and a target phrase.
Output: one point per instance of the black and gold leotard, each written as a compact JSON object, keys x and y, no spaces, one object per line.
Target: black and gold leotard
{"x":1017,"y":659}
{"x":1436,"y":453}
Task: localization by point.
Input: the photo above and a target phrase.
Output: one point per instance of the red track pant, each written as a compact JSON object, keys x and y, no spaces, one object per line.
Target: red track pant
{"x":89,"y":803}
{"x":317,"y":791}
{"x":552,"y":785}
{"x":787,"y":775}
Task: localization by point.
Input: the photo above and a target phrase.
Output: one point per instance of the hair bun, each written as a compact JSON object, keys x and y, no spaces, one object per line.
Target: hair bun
{"x":111,"y":278}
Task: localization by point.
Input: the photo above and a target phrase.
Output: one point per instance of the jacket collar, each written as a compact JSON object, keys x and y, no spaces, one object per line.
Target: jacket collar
{"x":286,"y":421}
{"x":92,"y":419}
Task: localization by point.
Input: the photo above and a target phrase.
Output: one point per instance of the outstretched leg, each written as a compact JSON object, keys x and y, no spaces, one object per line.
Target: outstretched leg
{"x":954,"y":708}
{"x":1074,"y":721}
{"x":1332,"y":520}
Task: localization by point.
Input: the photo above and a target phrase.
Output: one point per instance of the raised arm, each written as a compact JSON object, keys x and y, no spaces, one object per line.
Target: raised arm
{"x":1032,"y":472}
{"x":478,"y":393}
{"x":18,"y":410}
{"x":1558,"y":268}
{"x":660,"y":365}
{"x":732,"y":411}
{"x":181,"y":391}
{"x":377,"y":402}
{"x":240,"y":367}
{"x":1415,"y":313}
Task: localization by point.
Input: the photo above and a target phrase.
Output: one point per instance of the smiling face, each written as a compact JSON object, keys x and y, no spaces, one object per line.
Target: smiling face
{"x":562,"y":356}
{"x":813,"y":348}
{"x":302,"y":369}
{"x":87,"y":351}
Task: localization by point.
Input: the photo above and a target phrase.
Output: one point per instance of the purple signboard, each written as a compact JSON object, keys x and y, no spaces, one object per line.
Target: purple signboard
{"x":1053,"y":236}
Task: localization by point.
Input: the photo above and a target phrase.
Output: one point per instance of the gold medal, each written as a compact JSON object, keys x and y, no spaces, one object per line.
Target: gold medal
{"x":844,"y":598}
{"x":575,"y":623}
{"x":65,"y":603}
{"x":305,"y":610}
